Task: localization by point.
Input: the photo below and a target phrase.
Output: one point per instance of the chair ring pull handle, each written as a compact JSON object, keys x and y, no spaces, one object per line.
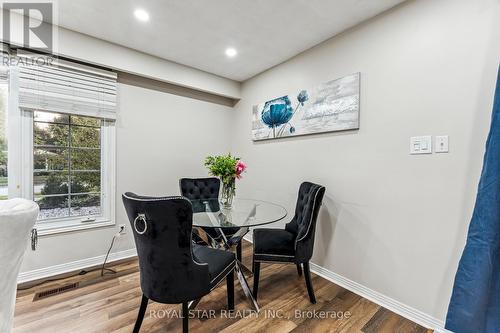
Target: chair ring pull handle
{"x":143,"y":218}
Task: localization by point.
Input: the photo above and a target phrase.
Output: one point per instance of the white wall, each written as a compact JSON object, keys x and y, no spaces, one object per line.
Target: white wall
{"x":160,"y":138}
{"x":392,"y":222}
{"x":82,"y":47}
{"x":95,"y":51}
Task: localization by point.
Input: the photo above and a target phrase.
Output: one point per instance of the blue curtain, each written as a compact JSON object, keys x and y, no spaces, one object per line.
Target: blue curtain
{"x":475,"y":301}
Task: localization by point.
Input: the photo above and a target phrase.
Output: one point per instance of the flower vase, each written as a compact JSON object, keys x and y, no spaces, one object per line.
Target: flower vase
{"x":227,"y":193}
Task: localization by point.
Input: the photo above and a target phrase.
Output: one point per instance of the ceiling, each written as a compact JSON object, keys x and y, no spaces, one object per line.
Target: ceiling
{"x":197,"y":32}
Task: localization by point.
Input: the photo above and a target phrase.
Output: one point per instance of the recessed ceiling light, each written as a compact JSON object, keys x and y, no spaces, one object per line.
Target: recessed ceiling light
{"x":231,"y":52}
{"x":141,"y":15}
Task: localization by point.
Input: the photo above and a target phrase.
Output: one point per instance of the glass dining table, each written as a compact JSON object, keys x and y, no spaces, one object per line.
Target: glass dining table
{"x":244,"y":213}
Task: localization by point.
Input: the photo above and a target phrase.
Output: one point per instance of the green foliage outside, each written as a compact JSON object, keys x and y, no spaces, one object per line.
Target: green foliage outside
{"x":58,"y":168}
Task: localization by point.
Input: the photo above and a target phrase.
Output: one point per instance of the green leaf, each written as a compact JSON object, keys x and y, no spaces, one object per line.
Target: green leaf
{"x":222,"y":166}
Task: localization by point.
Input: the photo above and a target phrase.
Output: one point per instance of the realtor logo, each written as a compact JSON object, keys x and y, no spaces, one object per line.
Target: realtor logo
{"x":26,"y":24}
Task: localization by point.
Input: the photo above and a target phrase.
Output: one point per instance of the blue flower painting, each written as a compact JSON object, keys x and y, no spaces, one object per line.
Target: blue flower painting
{"x":277,"y":112}
{"x":331,"y":106}
{"x":302,"y":97}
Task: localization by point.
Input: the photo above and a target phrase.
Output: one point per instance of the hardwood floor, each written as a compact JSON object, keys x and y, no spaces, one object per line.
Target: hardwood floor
{"x":110,"y":304}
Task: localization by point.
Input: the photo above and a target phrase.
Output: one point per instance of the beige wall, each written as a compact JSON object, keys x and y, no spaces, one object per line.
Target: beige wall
{"x":391,"y":221}
{"x":160,"y":138}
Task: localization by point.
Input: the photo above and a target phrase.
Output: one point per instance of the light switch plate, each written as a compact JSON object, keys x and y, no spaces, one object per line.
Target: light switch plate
{"x":441,"y":144}
{"x":421,"y":145}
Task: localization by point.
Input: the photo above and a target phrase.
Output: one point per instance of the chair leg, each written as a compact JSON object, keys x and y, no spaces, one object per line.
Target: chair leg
{"x":299,"y":269}
{"x":309,"y":285}
{"x":239,"y":251}
{"x":256,"y":273}
{"x":185,"y":317}
{"x":230,"y":290}
{"x":140,"y":315}
{"x":195,"y":236}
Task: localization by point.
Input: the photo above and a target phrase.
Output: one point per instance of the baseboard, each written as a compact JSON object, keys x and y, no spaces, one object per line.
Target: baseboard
{"x":46,"y":272}
{"x":401,"y":309}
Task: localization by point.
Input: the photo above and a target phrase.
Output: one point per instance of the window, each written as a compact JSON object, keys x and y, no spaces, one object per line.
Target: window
{"x":61,"y":143}
{"x":70,"y":170}
{"x":66,"y":165}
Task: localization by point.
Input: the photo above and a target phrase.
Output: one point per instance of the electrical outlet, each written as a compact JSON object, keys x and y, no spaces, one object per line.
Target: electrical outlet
{"x":441,"y":144}
{"x":121,"y":229}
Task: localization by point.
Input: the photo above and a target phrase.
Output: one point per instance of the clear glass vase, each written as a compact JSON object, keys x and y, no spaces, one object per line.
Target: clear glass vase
{"x":227,"y":193}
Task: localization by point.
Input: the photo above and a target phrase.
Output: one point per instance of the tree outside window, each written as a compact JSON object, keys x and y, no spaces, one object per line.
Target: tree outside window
{"x":67,"y":165}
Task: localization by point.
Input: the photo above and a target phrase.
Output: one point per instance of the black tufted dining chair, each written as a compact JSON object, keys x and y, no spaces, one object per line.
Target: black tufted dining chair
{"x":208,"y":188}
{"x":173,"y":269}
{"x":294,"y":244}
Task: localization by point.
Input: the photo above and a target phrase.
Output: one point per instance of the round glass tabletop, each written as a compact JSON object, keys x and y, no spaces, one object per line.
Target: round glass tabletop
{"x":244,"y":213}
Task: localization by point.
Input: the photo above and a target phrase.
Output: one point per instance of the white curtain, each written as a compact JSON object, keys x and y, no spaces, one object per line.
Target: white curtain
{"x":17,"y":217}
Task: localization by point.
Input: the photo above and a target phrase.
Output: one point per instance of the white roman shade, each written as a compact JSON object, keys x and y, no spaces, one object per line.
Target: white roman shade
{"x":66,"y":87}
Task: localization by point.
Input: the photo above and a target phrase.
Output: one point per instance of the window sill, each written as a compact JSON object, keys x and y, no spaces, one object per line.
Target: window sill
{"x":51,"y":228}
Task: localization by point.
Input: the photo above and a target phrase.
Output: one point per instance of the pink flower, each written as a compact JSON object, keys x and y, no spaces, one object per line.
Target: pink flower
{"x":240,"y":168}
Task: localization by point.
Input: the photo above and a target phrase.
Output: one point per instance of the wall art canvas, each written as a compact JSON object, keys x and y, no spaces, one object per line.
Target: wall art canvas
{"x":328,"y":107}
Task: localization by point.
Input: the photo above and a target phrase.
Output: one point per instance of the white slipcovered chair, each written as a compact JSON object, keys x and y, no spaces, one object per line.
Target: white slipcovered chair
{"x":17,"y":217}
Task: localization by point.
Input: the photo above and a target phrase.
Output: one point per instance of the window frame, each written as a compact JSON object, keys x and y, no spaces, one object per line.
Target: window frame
{"x":21,"y":168}
{"x":7,"y":133}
